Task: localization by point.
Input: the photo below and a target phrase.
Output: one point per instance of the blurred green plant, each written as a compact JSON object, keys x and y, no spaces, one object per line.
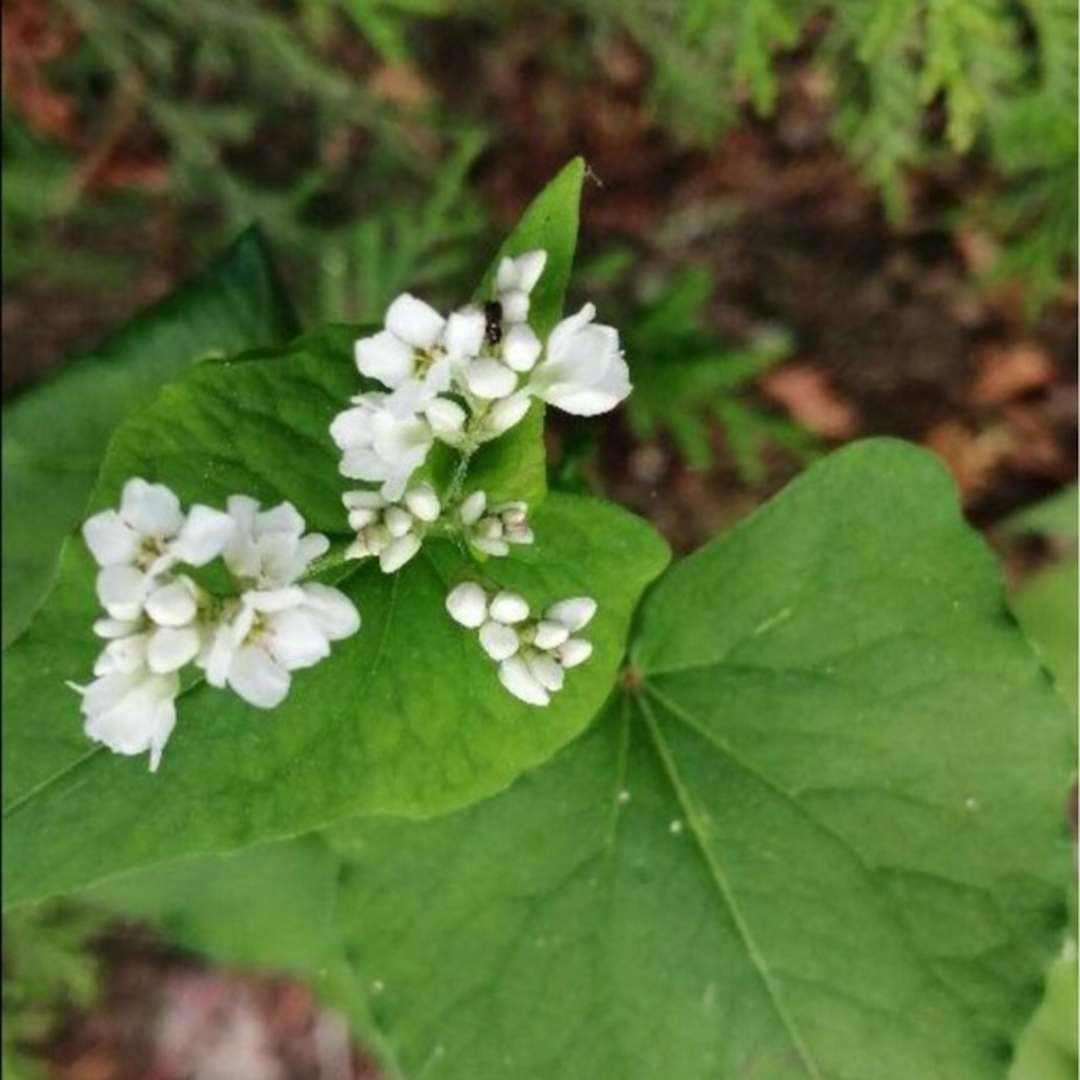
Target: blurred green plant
{"x":686,"y":381}
{"x":420,"y":244}
{"x":909,"y":82}
{"x":1046,"y":609}
{"x":250,"y":117}
{"x":47,"y":970}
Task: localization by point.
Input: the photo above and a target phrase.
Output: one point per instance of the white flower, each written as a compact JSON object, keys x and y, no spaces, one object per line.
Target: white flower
{"x":583,"y":371}
{"x":149,"y":535}
{"x":131,"y":712}
{"x":269,"y":549}
{"x":379,"y":445}
{"x":408,"y":356}
{"x":514,"y":282}
{"x":269,"y":634}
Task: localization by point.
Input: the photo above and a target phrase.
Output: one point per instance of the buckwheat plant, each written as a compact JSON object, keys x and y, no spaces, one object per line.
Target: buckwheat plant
{"x":464,"y":381}
{"x":519,"y":798}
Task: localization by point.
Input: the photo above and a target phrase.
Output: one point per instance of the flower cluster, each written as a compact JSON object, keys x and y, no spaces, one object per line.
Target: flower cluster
{"x":462,"y":380}
{"x":532,"y":654}
{"x":468,"y":378}
{"x":159,"y":619}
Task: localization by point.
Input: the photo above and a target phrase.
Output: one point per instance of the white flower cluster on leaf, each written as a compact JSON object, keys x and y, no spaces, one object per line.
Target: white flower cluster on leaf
{"x":158,"y":619}
{"x":461,"y":380}
{"x":469,"y":378}
{"x":533,"y":654}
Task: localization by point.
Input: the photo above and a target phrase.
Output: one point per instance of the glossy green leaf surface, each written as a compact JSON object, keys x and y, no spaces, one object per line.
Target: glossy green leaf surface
{"x":55,"y":434}
{"x":820,"y":837}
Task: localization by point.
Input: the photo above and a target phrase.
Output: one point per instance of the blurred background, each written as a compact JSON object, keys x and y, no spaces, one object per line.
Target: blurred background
{"x":812,"y":222}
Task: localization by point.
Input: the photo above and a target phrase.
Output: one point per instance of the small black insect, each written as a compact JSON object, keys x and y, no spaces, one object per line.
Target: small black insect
{"x":493,"y":313}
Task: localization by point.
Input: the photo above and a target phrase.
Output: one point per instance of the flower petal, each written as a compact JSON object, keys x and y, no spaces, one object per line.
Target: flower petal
{"x":521,"y":348}
{"x":335,"y":613}
{"x":385,"y":357}
{"x":203,"y":536}
{"x":121,"y":590}
{"x":258,"y":678}
{"x":111,"y":540}
{"x":464,"y":335}
{"x":489,"y":379}
{"x":173,"y":604}
{"x":171,"y":648}
{"x":152,"y":510}
{"x":416,"y":323}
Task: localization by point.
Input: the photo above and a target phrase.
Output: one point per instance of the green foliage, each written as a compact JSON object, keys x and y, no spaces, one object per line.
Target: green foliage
{"x":1047,"y":1050}
{"x":417,"y":244}
{"x":55,"y":434}
{"x":1003,"y":76}
{"x":684,"y":381}
{"x":1046,"y":604}
{"x":242,"y":103}
{"x":47,"y":968}
{"x":816,"y":831}
{"x":408,"y":718}
{"x":799,"y":815}
{"x":385,"y":22}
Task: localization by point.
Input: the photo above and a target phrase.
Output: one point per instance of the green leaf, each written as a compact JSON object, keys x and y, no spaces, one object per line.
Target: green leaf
{"x":820,"y":836}
{"x":1046,"y":608}
{"x":550,"y":223}
{"x":1047,"y":1050}
{"x":408,"y":715}
{"x":56,"y":433}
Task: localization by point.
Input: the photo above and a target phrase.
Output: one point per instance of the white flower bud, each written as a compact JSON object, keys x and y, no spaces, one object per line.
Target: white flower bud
{"x":423,"y":503}
{"x":498,"y":640}
{"x":573,"y":652}
{"x":398,"y":552}
{"x":573,"y":613}
{"x":467,"y":605}
{"x":472,"y":507}
{"x":508,"y":607}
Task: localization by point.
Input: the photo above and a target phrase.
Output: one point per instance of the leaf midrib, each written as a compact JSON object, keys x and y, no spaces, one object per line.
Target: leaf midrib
{"x":723,"y":888}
